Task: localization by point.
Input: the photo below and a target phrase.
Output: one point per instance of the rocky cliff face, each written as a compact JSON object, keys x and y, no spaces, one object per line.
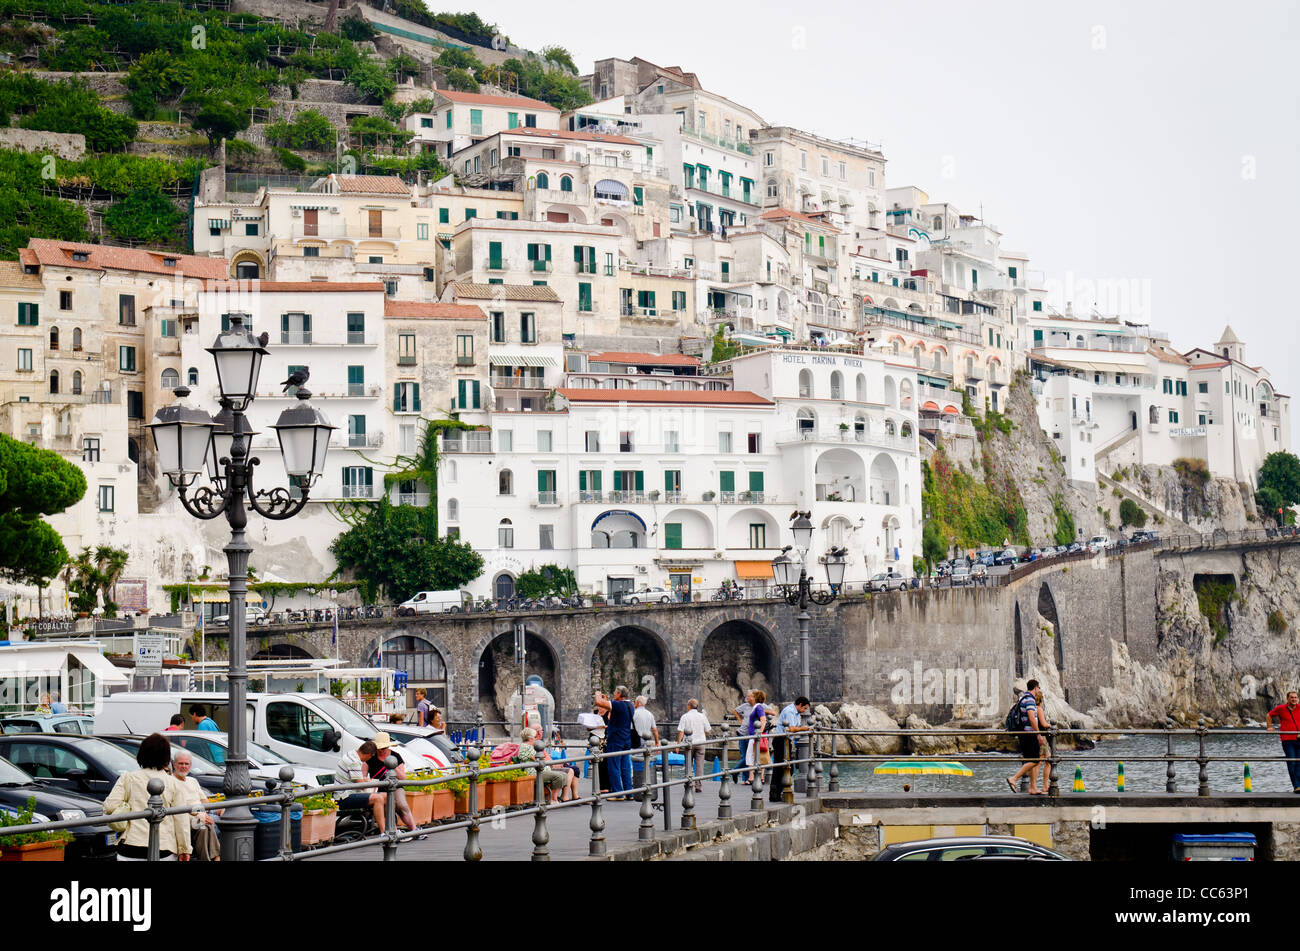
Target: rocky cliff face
{"x":1204,"y":504}
{"x":1230,"y":675}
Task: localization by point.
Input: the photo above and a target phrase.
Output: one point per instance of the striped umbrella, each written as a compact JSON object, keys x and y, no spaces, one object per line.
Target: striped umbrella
{"x":904,"y":767}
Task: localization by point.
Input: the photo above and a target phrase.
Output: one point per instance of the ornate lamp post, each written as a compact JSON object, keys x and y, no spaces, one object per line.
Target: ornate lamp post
{"x":189,"y":441}
{"x":792,"y":579}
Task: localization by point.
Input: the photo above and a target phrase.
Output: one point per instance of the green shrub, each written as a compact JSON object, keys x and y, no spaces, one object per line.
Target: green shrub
{"x":1130,"y":513}
{"x":292,"y":162}
{"x":309,"y":129}
{"x":1277,"y":622}
{"x":147,"y":215}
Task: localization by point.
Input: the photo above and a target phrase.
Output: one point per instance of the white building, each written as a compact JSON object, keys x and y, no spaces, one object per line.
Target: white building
{"x":459,"y":119}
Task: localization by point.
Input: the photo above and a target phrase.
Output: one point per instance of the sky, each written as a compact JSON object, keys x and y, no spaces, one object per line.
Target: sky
{"x":1145,"y":154}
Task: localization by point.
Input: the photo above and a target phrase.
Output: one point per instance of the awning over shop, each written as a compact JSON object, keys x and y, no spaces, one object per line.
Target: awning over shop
{"x":938,"y":381}
{"x":504,"y":358}
{"x":102,"y":667}
{"x":952,"y":410}
{"x":1103,"y":366}
{"x":929,"y":406}
{"x":753,"y":570}
{"x":209,"y":597}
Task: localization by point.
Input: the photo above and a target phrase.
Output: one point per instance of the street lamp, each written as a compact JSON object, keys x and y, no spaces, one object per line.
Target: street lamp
{"x":189,"y":441}
{"x":795,"y":587}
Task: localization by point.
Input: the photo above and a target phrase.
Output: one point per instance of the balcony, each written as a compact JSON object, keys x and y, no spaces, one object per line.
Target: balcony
{"x":476,"y":128}
{"x":975,"y":373}
{"x":363,"y":441}
{"x":497,"y":264}
{"x":627,"y":495}
{"x":413,"y":498}
{"x":584,"y":267}
{"x":356,"y":338}
{"x":859,"y":437}
{"x":539,"y":267}
{"x":734,"y":145}
{"x":409,"y":360}
{"x":357,"y":492}
{"x":545,"y":499}
{"x":519,"y":382}
{"x":295,"y":338}
{"x":589,"y":495}
{"x":467,"y":442}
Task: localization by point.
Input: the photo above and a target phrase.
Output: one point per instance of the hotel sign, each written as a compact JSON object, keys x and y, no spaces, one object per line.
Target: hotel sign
{"x":817,"y":359}
{"x":1187,"y":432}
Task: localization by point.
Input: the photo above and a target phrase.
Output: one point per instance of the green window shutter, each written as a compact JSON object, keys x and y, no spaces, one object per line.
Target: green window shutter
{"x":532,"y":252}
{"x":807,"y":241}
{"x":476,"y":117}
{"x":541,"y":480}
{"x":1038,"y":338}
{"x":512,"y":120}
{"x":397,"y":397}
{"x":494,"y":254}
{"x":475,"y":389}
{"x":668,"y":480}
{"x":640,"y":481}
{"x":548,"y":252}
{"x":595,"y":480}
{"x":756,"y":482}
{"x":415,"y":387}
{"x":727,"y":481}
{"x":821,"y":245}
{"x":356,"y":376}
{"x":471,"y":213}
{"x":444,"y":216}
{"x":448,"y":118}
{"x":618,"y":480}
{"x":284,"y":323}
{"x":577,"y":254}
{"x":582,"y":480}
{"x":726,"y":270}
{"x":638,"y":195}
{"x":672,"y":534}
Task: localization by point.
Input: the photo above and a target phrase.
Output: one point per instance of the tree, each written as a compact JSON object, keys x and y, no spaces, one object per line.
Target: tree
{"x":91,"y":577}
{"x":146,"y":214}
{"x":461,"y":80}
{"x":220,"y":120}
{"x":1130,"y":513}
{"x":33,"y":482}
{"x":1279,"y":484}
{"x":392,"y":552}
{"x":560,"y":57}
{"x":309,"y":129}
{"x":933,"y":546}
{"x":546,"y":580}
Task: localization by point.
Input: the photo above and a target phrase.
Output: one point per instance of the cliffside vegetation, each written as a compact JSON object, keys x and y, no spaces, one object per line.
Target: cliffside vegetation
{"x":964,"y":511}
{"x":1279,"y":485}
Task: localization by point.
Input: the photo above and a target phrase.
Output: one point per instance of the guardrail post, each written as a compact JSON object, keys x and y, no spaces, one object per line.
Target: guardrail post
{"x":597,"y":824}
{"x":1053,"y":788}
{"x":390,"y":810}
{"x":834,"y":785}
{"x":813,"y":767}
{"x":479,"y":729}
{"x":647,"y":828}
{"x":473,"y":851}
{"x":541,"y":834}
{"x":666,"y":776}
{"x":688,"y":788}
{"x":724,"y":783}
{"x":1171,"y":782}
{"x":756,"y":784}
{"x":156,"y":810}
{"x":1203,"y":776}
{"x":286,"y":812}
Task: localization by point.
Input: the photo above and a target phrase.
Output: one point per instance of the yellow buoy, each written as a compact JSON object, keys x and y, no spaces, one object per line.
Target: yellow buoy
{"x":1078,"y":779}
{"x":1119,"y":778}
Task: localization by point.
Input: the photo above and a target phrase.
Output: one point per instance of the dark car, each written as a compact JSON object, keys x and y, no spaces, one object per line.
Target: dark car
{"x":986,"y":557}
{"x":1005,"y":557}
{"x":78,"y":764}
{"x":17,"y":787}
{"x":208,"y":775}
{"x":962,"y":848}
{"x":1141,"y":536}
{"x":74,"y":723}
{"x":1075,"y":548}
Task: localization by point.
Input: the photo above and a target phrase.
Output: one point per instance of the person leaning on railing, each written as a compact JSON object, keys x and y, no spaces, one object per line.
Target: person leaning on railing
{"x":131,"y":794}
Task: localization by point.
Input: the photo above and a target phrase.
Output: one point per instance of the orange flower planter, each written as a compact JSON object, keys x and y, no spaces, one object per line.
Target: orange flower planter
{"x":521,"y":792}
{"x":498,"y":794}
{"x":421,"y":804}
{"x":462,"y":802}
{"x":444,"y":804}
{"x":33,"y":852}
{"x":318,"y":826}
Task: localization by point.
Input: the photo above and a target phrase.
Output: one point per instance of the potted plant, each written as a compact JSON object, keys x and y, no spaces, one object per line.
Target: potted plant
{"x":319,"y":815}
{"x":420,"y":799}
{"x":444,"y":797}
{"x":460,"y":790}
{"x":708,"y":495}
{"x":522,"y":787}
{"x":498,"y":790}
{"x":31,"y":846}
{"x":844,"y":427}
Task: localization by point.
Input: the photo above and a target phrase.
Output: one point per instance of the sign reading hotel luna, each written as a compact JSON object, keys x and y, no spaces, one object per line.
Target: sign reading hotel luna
{"x":1187,"y":431}
{"x":818,"y":359}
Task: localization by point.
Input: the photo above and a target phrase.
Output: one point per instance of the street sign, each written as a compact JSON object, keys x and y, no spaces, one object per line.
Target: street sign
{"x":519,"y":642}
{"x":148,"y":651}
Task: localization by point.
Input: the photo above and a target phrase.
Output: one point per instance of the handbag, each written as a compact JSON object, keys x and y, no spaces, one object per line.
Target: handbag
{"x":121,"y":827}
{"x":206,"y":847}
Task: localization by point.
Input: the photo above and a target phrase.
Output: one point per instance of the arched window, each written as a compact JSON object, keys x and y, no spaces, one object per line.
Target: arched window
{"x":837,"y":385}
{"x":504,"y":586}
{"x":771,"y":188}
{"x":505,"y":482}
{"x":453,"y":510}
{"x":861,"y":394}
{"x":907,"y":429}
{"x":54,"y":381}
{"x":543,"y":180}
{"x":938,"y":222}
{"x":505,"y":534}
{"x":76,"y":382}
{"x":806,"y":420}
{"x":889,"y":427}
{"x":917,"y":352}
{"x":76,"y":338}
{"x":192,"y":376}
{"x":54,"y":338}
{"x":1154,"y":414}
{"x":566,"y":183}
{"x":805,"y":384}
{"x":449,"y":471}
{"x":170,"y":379}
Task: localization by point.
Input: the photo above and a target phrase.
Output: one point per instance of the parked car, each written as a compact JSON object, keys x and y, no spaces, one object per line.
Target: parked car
{"x":986,"y":557}
{"x":1075,"y":548}
{"x":979,"y":574}
{"x":961,"y":576}
{"x":85,"y":765}
{"x":1005,"y":557}
{"x":213,"y":748}
{"x":17,"y":786}
{"x":961,"y":848}
{"x":960,"y":562}
{"x":431,"y":602}
{"x":428,"y":744}
{"x":649,"y":595}
{"x":1098,"y":543}
{"x":77,"y":724}
{"x":206,"y":773}
{"x":1120,"y":543}
{"x":253,"y":614}
{"x":1143,"y":535}
{"x":886,"y":581}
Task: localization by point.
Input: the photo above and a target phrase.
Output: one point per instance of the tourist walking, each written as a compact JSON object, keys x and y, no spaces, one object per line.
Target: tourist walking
{"x":131,"y":793}
{"x":1288,"y":721}
{"x":1033,"y":745}
{"x":618,"y":739}
{"x":694,"y":728}
{"x":742,"y":719}
{"x":759,"y":752}
{"x":423,"y":708}
{"x":643,"y":721}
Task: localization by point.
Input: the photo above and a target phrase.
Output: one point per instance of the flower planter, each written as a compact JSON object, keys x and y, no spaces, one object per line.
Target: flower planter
{"x":318,"y":826}
{"x":444,"y":804}
{"x":33,"y":852}
{"x":421,"y":804}
{"x":522,"y":791}
{"x":462,"y":802}
{"x":498,"y":794}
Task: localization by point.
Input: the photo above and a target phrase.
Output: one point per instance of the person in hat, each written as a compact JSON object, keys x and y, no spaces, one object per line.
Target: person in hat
{"x":377,"y":766}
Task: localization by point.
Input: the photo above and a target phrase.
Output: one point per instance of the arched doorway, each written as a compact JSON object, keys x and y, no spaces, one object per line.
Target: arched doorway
{"x":498,"y":673}
{"x":423,"y":663}
{"x":633,"y":657}
{"x":1047,"y":610}
{"x":737,"y":657}
{"x":283,"y":652}
{"x":504,"y":585}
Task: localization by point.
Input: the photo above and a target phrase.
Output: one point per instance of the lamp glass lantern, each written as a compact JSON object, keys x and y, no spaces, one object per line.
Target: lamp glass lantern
{"x":238,"y":356}
{"x":304,"y":434}
{"x":803,"y":532}
{"x":182,"y":435}
{"x":223,"y":442}
{"x":835,"y":565}
{"x":785,"y":571}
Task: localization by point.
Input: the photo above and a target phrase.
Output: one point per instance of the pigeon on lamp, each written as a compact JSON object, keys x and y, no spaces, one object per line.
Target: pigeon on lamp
{"x":296,"y":378}
{"x":264,"y":339}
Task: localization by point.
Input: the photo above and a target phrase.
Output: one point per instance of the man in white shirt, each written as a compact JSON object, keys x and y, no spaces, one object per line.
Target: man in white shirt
{"x":643,"y":721}
{"x":694,"y":728}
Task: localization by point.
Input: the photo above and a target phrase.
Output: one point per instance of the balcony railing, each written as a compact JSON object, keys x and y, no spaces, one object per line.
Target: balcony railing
{"x":733,"y":144}
{"x":861,"y":437}
{"x":539,"y":267}
{"x":546,"y":498}
{"x":364,"y":440}
{"x":975,"y":372}
{"x":584,"y":267}
{"x":356,"y":338}
{"x":497,"y":264}
{"x":467,"y":442}
{"x":519,"y":382}
{"x":627,"y":495}
{"x":590,"y":495}
{"x":357,"y":492}
{"x":408,"y":360}
{"x":413,"y":498}
{"x":295,"y":338}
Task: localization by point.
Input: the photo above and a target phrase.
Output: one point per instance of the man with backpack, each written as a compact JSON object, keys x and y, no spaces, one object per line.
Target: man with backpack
{"x":1024,"y":719}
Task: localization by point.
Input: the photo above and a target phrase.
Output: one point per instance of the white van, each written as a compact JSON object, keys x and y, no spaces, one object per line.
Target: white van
{"x":1098,"y":543}
{"x":313,"y":729}
{"x":432,"y":602}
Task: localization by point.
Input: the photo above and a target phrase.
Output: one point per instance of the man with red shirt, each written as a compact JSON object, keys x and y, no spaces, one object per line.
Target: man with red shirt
{"x":1288,"y":719}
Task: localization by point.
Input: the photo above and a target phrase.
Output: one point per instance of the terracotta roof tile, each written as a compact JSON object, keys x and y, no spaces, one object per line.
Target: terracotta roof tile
{"x":780,"y":214}
{"x":531,"y":292}
{"x":13,"y":275}
{"x":579,"y":136}
{"x":432,"y":309}
{"x":1165,"y":356}
{"x":50,"y":253}
{"x":708,"y":397}
{"x":478,"y":98}
{"x":296,"y":287}
{"x":653,"y":359}
{"x":372,"y":185}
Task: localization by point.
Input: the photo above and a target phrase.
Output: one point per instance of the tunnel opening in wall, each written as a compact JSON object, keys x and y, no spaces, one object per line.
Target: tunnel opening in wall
{"x":498,"y":673}
{"x":737,"y":657}
{"x":1047,"y":611}
{"x":634,"y":658}
{"x":1214,"y":594}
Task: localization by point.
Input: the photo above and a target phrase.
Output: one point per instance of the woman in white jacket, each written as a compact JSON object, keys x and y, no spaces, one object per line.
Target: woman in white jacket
{"x":131,"y":793}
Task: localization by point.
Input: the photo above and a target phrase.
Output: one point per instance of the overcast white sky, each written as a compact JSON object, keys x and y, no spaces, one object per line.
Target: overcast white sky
{"x":1152,"y":146}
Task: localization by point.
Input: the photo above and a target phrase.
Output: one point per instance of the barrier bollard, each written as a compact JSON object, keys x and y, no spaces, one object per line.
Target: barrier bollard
{"x":479,"y":729}
{"x":286,"y":813}
{"x":1053,"y":788}
{"x":597,"y":824}
{"x":390,"y":810}
{"x":814,"y":766}
{"x":155,"y":789}
{"x":541,"y":834}
{"x":473,"y":851}
{"x":665,"y":777}
{"x":785,"y":774}
{"x":1245,"y":778}
{"x":834,"y":784}
{"x":1203,"y":775}
{"x":1171,"y":779}
{"x":688,"y":794}
{"x":1078,"y":779}
{"x":756,"y":784}
{"x":1119,"y":778}
{"x":724,"y":784}
{"x":647,"y":828}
